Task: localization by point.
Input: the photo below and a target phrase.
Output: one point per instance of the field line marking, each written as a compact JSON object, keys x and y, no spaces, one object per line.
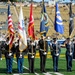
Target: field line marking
{"x":58,"y":73}
{"x":47,"y":73}
{"x":50,"y":73}
{"x":25,"y":68}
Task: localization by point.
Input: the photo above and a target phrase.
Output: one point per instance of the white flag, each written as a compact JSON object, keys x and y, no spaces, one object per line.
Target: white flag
{"x":22,"y":32}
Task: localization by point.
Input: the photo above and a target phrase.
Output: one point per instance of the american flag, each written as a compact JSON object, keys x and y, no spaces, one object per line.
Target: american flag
{"x":10,"y":28}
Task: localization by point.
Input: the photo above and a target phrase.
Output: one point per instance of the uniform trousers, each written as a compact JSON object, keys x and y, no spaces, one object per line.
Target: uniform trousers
{"x":20,"y":64}
{"x":69,"y":62}
{"x":9,"y":62}
{"x":42,"y":61}
{"x":55,"y":62}
{"x":31,"y":63}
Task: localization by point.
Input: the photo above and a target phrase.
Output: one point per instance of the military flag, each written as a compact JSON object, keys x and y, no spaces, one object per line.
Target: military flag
{"x":58,"y":26}
{"x":44,"y":20}
{"x":10,"y":28}
{"x":22,"y":32}
{"x":31,"y":24}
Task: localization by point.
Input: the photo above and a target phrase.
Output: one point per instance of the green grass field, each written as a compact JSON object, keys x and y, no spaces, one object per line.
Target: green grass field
{"x":49,"y":66}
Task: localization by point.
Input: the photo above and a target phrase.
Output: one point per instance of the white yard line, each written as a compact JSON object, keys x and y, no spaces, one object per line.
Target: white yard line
{"x":50,"y":73}
{"x":25,"y":68}
{"x":57,"y":73}
{"x":47,"y":73}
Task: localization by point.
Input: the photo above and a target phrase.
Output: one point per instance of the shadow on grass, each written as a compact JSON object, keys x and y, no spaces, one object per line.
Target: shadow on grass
{"x":47,"y":70}
{"x":24,"y":71}
{"x":3,"y":70}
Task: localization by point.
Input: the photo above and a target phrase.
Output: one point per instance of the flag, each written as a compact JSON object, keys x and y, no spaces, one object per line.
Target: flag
{"x":10,"y":28}
{"x":31,"y":24}
{"x":44,"y":20}
{"x":58,"y":26}
{"x":22,"y":32}
{"x":71,"y":23}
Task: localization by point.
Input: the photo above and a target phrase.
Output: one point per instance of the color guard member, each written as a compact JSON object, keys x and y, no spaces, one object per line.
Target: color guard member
{"x":43,"y":49}
{"x":31,"y":55}
{"x":9,"y":56}
{"x":69,"y":53}
{"x":55,"y":52}
{"x":20,"y":57}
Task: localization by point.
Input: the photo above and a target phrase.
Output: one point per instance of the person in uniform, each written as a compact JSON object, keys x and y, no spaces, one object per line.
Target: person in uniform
{"x":31,"y":55}
{"x":69,"y":53}
{"x":0,"y":50}
{"x":74,"y":48}
{"x":9,"y":56}
{"x":55,"y":52}
{"x":19,"y":57}
{"x":43,"y":49}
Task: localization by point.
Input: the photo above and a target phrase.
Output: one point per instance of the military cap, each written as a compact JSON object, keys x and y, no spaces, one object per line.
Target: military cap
{"x":54,"y":38}
{"x":68,"y":38}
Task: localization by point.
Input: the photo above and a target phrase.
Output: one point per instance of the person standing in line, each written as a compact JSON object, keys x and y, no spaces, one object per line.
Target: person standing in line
{"x":55,"y":52}
{"x":69,"y":54}
{"x":31,"y":55}
{"x":43,"y":49}
{"x":19,"y":57}
{"x":9,"y":56}
{"x":0,"y":50}
{"x":74,"y":48}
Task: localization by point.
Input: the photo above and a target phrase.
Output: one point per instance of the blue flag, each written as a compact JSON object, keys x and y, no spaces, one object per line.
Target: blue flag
{"x":42,"y":26}
{"x":58,"y":26}
{"x":44,"y":21}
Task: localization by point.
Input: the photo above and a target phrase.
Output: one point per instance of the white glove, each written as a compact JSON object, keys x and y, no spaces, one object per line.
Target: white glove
{"x":10,"y":54}
{"x":32,"y":56}
{"x":44,"y":53}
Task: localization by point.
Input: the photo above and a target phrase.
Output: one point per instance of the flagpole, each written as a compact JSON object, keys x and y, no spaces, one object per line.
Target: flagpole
{"x":43,"y":3}
{"x":71,"y":23}
{"x":45,"y":37}
{"x":31,"y":38}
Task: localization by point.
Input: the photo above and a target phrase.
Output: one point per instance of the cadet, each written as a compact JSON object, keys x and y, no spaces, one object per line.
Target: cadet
{"x":74,"y":48}
{"x":9,"y":56}
{"x":20,"y":57}
{"x":55,"y":51}
{"x":43,"y":49}
{"x":69,"y":53}
{"x":0,"y":50}
{"x":31,"y":55}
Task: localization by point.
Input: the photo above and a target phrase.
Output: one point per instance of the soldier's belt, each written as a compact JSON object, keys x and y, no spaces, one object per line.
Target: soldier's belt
{"x":41,"y":50}
{"x":30,"y":53}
